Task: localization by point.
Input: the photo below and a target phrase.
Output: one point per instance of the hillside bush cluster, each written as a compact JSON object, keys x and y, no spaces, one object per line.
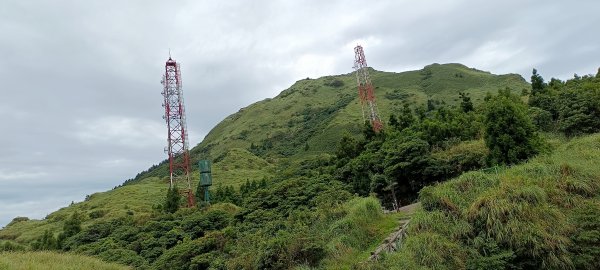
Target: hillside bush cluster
{"x":540,"y":215}
{"x":278,"y":224}
{"x":434,"y":144}
{"x":571,"y":107}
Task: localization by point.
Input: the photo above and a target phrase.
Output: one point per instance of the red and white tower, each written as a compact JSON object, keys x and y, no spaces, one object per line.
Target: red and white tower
{"x":177,"y":140}
{"x":365,"y":89}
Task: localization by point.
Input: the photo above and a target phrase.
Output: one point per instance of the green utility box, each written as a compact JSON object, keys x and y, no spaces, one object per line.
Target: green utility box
{"x":204,"y":166}
{"x":205,"y":179}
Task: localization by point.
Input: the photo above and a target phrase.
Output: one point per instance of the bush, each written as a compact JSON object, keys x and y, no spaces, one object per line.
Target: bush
{"x":586,"y":237}
{"x":198,"y":223}
{"x":11,"y":246}
{"x":509,"y":133}
{"x":97,"y":213}
{"x":180,"y":256}
{"x":123,"y":256}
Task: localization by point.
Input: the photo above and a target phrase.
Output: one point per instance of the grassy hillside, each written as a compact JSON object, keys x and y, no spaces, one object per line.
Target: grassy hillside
{"x":316,"y":110}
{"x":136,"y":201}
{"x":305,"y":121}
{"x":248,"y":144}
{"x":309,"y":118}
{"x":53,"y":261}
{"x":543,"y":214}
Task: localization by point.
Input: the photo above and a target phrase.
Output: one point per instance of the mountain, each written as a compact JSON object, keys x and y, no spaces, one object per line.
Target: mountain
{"x":268,"y":138}
{"x":309,"y":118}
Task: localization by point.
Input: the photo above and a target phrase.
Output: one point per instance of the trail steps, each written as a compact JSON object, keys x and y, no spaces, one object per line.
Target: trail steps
{"x":394,"y":241}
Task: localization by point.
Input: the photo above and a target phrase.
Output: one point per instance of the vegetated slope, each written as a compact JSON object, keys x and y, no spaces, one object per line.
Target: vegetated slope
{"x":544,"y":214}
{"x":308,"y":119}
{"x":46,"y":260}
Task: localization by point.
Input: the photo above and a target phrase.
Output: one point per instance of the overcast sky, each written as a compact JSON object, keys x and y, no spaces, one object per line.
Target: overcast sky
{"x":80,"y":95}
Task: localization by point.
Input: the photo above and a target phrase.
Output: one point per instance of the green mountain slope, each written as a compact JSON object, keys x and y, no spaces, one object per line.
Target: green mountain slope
{"x":314,"y":111}
{"x":310,"y":117}
{"x":306,"y":120}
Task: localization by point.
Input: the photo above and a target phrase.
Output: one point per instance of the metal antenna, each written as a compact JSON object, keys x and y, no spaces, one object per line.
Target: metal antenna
{"x":366,"y":92}
{"x":177,"y":139}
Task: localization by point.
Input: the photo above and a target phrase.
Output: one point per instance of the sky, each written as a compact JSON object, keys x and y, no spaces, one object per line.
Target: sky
{"x":80,"y":96}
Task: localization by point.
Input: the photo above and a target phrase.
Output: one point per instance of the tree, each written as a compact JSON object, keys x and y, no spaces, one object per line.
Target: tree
{"x":406,"y":157}
{"x":509,"y":133}
{"x":348,"y":147}
{"x":537,"y":83}
{"x":73,"y":224}
{"x":430,"y":105}
{"x":543,"y":95}
{"x":393,"y":122}
{"x":405,"y":118}
{"x":71,"y":227}
{"x":46,"y":242}
{"x":381,"y":183}
{"x":172,"y":200}
{"x":465,"y":104}
{"x":579,"y":110}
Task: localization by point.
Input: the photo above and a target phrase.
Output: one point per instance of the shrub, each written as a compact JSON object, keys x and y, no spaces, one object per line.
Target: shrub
{"x":509,"y":133}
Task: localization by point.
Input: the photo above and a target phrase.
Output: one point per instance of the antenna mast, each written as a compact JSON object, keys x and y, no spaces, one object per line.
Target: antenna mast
{"x":365,"y":90}
{"x":177,"y":138}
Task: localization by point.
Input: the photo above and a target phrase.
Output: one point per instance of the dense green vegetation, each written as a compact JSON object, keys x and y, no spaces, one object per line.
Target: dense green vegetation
{"x":300,"y":182}
{"x":571,"y":107}
{"x":539,"y":215}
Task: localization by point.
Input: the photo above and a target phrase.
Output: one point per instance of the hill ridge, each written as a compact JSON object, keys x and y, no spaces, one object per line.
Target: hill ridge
{"x":304,"y":121}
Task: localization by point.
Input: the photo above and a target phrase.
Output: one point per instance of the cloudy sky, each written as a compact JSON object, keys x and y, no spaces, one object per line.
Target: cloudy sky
{"x":80,"y":95}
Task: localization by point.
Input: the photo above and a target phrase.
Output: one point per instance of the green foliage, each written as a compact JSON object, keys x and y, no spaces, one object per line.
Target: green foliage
{"x":541,"y":118}
{"x":46,"y":242}
{"x":11,"y":246}
{"x":537,"y":83}
{"x":465,"y":104}
{"x":73,"y":224}
{"x":411,"y":153}
{"x":538,"y":215}
{"x":172,"y":200}
{"x":405,"y":119}
{"x":579,"y":108}
{"x":574,"y":105}
{"x":509,"y":133}
{"x":185,"y":254}
{"x":123,"y":256}
{"x":586,"y":237}
{"x":53,"y":261}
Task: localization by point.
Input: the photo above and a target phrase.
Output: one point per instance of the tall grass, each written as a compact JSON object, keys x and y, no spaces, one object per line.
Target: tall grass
{"x":527,"y":216}
{"x":46,"y":260}
{"x":352,"y":237}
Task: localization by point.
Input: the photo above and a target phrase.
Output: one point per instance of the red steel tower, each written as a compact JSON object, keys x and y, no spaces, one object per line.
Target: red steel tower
{"x":365,"y":89}
{"x":177,"y":140}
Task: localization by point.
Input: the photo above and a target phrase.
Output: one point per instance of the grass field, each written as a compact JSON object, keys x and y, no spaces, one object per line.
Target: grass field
{"x":53,"y":261}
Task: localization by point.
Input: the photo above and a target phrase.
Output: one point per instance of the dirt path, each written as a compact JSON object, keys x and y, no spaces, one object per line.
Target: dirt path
{"x":394,"y":240}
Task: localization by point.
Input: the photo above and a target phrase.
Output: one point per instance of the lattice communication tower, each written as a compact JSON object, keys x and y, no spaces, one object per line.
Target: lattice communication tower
{"x":177,"y":140}
{"x":365,"y":90}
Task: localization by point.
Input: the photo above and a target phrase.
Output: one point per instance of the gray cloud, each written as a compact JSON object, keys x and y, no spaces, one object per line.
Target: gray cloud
{"x":81,"y":95}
